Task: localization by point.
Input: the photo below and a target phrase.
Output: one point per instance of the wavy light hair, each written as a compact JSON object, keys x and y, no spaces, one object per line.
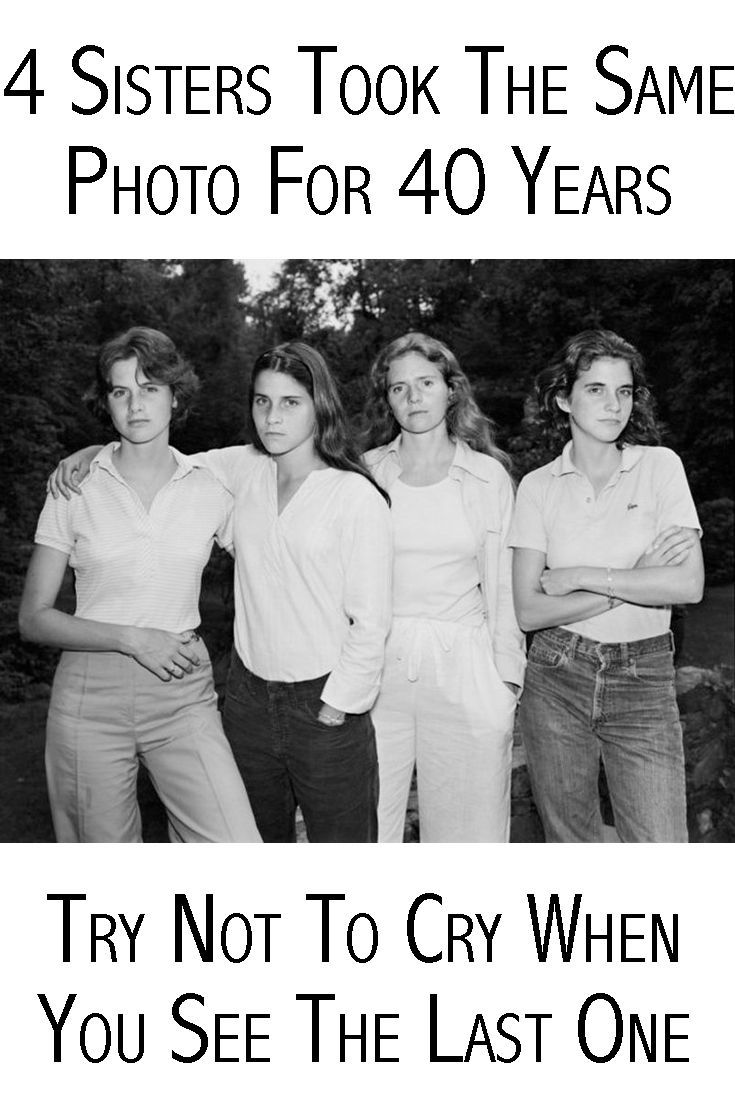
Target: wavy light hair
{"x":465,"y":419}
{"x":575,"y":357}
{"x":331,"y":437}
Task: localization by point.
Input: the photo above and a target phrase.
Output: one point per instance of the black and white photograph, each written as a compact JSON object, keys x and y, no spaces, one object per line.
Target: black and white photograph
{"x":438,"y":551}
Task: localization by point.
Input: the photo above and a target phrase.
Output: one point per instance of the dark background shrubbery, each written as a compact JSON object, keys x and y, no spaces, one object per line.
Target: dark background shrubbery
{"x":718,"y":523}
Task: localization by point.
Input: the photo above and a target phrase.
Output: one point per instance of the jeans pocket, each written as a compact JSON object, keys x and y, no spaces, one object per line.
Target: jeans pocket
{"x":654,"y":669}
{"x":308,"y":698}
{"x":544,"y":655}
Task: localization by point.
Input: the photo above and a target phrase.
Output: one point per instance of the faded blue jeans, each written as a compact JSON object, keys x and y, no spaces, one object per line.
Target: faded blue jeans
{"x":584,"y":701}
{"x":288,"y":758}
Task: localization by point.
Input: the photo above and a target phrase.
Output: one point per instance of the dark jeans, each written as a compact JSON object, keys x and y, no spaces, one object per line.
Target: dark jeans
{"x":288,"y":758}
{"x":584,"y":700}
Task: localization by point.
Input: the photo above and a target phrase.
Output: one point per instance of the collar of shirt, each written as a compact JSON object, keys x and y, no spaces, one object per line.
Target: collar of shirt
{"x":630,"y":455}
{"x":465,"y":461}
{"x":184,"y":463}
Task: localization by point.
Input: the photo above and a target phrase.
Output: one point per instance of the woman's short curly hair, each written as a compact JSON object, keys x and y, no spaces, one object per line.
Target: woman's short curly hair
{"x":158,"y":359}
{"x":557,"y":380}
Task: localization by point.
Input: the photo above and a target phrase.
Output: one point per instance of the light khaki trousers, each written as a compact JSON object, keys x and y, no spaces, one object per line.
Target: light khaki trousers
{"x":106,"y":715}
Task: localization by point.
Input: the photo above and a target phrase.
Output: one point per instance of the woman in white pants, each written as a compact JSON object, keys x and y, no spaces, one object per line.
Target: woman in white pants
{"x":455,"y":656}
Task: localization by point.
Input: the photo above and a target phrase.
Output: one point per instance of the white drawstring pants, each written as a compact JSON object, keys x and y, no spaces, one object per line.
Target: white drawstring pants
{"x":444,"y":708}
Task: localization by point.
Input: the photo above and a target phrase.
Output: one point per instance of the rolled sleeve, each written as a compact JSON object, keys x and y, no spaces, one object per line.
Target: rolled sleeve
{"x":367,"y":564}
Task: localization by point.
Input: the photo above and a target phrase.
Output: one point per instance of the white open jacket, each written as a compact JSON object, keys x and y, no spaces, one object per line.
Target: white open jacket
{"x":487,"y":497}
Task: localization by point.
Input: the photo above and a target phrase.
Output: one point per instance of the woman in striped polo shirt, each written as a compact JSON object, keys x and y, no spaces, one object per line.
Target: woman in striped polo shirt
{"x":134,"y":682}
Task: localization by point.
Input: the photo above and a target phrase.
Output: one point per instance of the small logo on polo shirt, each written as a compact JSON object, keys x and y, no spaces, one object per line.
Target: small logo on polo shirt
{"x":632,"y":506}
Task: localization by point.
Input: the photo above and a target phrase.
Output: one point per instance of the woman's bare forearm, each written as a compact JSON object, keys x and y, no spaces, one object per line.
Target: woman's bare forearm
{"x":538,"y":610}
{"x":650,"y":586}
{"x":50,"y":627}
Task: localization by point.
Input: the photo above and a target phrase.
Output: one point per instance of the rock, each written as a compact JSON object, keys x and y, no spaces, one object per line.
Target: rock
{"x":691,"y":677}
{"x":706,"y":706}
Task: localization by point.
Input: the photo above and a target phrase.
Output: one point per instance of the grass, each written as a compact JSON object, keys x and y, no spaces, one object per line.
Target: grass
{"x":24,"y":813}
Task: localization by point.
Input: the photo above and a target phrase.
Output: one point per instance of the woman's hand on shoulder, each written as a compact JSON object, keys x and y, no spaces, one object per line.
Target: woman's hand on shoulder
{"x":167,"y":654}
{"x":64,"y":480}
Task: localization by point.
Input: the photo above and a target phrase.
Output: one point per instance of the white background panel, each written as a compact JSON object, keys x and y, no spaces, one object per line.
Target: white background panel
{"x":697,"y":148}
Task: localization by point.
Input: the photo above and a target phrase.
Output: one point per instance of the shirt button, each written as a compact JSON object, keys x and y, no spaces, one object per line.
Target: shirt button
{"x":588,"y":500}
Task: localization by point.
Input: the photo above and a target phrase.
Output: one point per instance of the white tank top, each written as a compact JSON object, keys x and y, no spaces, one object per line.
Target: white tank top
{"x":435,"y":573}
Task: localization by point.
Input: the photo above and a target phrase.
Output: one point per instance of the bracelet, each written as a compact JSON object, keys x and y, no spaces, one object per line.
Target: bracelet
{"x":610,"y":594}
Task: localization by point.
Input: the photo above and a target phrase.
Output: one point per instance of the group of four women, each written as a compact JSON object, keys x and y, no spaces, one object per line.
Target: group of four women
{"x":377,"y":605}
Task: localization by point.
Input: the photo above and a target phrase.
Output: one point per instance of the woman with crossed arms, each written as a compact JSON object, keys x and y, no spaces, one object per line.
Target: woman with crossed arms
{"x":606,"y":539}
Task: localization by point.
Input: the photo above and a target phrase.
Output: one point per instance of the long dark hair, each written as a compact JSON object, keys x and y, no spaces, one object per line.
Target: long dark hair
{"x":465,"y":419}
{"x":309,"y":368}
{"x":576,"y":356}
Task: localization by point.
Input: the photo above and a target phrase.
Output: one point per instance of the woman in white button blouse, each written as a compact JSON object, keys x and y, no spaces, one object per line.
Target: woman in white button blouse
{"x":134,"y":682}
{"x":454,"y":660}
{"x":312,"y":544}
